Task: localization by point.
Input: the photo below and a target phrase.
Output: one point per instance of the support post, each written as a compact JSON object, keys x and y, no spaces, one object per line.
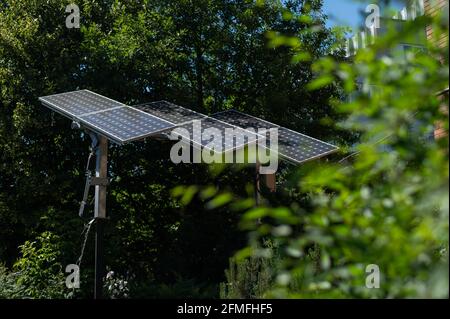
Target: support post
{"x":269,"y":181}
{"x":101,"y":171}
{"x":99,"y":259}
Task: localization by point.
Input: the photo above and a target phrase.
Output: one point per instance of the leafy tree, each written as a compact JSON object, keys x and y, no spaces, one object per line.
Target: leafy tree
{"x":38,"y":273}
{"x":384,"y":204}
{"x":209,"y":55}
{"x":248,"y":279}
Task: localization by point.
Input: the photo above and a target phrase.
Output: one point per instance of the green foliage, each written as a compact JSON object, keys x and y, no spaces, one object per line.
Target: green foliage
{"x":116,"y":286}
{"x":37,"y":273}
{"x":387,"y":203}
{"x":8,"y":287}
{"x":248,"y":279}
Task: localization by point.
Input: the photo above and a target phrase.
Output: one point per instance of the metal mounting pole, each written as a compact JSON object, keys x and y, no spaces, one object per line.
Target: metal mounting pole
{"x":269,"y":182}
{"x":101,"y":171}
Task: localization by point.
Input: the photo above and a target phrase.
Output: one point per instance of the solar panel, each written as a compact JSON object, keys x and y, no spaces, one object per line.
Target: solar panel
{"x":77,"y":103}
{"x":117,"y":121}
{"x":125,"y":124}
{"x":232,"y":137}
{"x":170,"y":112}
{"x":301,"y":148}
{"x":292,"y":145}
{"x":243,"y":120}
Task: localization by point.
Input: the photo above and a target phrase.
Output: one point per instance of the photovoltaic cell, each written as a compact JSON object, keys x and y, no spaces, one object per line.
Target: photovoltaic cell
{"x":292,"y":145}
{"x":170,"y":112}
{"x":117,"y":121}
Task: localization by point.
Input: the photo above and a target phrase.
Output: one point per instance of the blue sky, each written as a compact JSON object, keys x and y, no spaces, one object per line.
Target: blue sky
{"x":347,"y":12}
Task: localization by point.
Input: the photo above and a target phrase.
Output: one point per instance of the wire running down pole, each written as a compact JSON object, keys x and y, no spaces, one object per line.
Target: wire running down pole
{"x":257,"y":184}
{"x":101,"y":172}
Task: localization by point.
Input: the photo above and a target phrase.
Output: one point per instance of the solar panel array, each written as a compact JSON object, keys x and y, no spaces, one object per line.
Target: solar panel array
{"x":122,"y":124}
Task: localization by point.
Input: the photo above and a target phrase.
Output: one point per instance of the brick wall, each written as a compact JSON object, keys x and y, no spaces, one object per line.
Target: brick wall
{"x":432,"y":7}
